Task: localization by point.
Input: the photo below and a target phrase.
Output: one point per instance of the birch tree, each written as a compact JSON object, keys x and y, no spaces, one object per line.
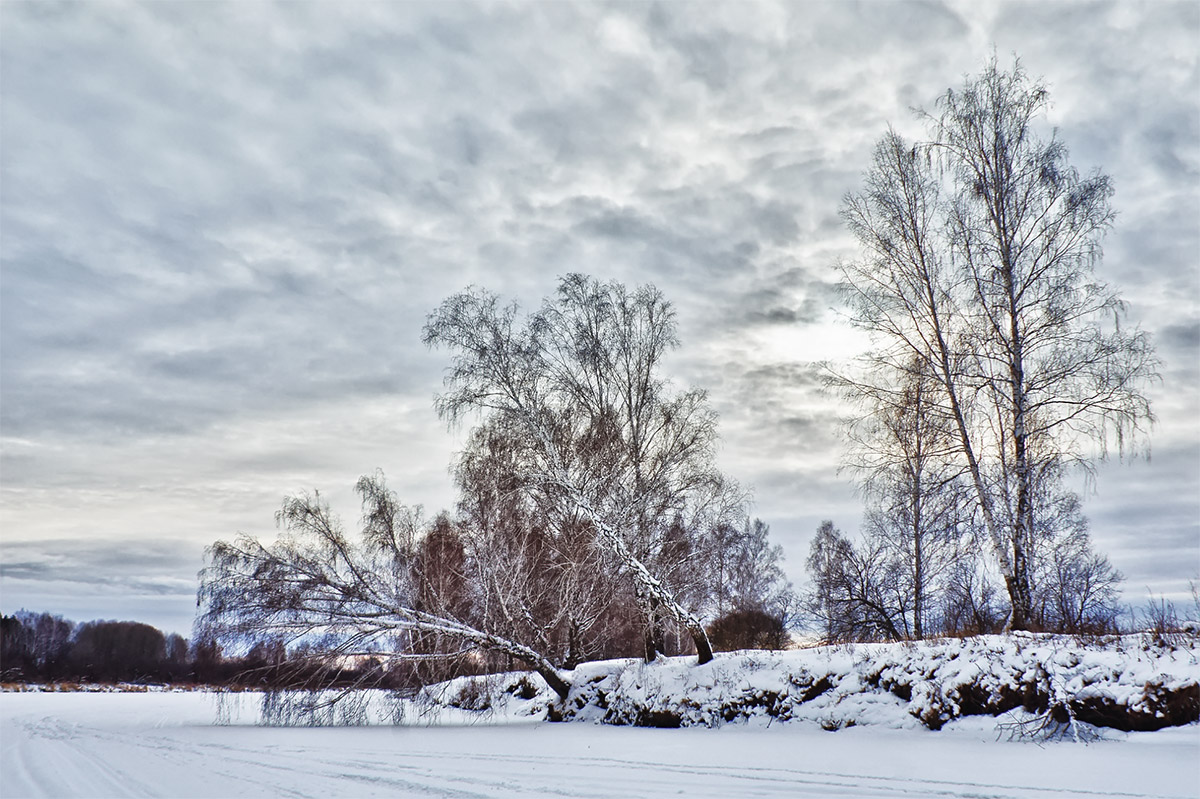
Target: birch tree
{"x":548,"y":588}
{"x":978,"y":254}
{"x":904,"y":449}
{"x":606,"y":441}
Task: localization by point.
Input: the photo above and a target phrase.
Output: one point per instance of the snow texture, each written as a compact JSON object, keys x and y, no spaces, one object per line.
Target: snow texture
{"x":166,"y":744}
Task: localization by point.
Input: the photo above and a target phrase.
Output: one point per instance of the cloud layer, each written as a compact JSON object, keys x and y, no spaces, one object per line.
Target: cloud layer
{"x":224,"y":224}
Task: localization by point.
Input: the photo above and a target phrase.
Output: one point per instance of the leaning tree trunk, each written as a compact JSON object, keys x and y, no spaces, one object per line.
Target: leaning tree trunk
{"x":655,"y":642}
{"x":646,"y":582}
{"x":495,"y":643}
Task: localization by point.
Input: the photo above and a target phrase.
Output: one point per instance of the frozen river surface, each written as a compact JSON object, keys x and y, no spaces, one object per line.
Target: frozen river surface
{"x":166,"y":744}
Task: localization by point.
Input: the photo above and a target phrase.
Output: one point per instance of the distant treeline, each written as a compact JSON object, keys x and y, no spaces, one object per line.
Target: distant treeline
{"x":46,"y":648}
{"x":40,"y":648}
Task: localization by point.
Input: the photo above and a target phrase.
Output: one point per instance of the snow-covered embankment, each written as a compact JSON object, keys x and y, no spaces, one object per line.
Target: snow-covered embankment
{"x":1127,"y":683}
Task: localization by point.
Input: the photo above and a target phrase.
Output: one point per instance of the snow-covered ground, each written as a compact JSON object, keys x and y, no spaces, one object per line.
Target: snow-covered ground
{"x":168,"y":744}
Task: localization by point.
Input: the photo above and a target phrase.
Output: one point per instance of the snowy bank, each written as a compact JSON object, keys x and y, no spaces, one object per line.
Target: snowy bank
{"x":1128,"y":683}
{"x":1056,"y":683}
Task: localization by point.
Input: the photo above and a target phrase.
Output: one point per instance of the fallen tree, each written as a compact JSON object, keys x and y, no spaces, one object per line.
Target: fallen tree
{"x":585,"y":458}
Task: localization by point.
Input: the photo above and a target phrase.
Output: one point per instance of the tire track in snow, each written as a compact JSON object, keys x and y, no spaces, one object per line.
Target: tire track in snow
{"x":457,"y":774}
{"x":783,"y":780}
{"x":74,"y":769}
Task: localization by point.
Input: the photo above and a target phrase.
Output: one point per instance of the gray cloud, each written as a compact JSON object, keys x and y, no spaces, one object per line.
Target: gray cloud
{"x":1182,"y":337}
{"x":145,"y":568}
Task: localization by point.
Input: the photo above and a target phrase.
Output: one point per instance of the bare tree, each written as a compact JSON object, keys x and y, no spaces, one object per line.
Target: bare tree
{"x":358,"y":599}
{"x":113,"y":650}
{"x":546,"y":586}
{"x":50,"y":643}
{"x":752,"y":602}
{"x":904,"y":448}
{"x":979,"y":250}
{"x":1074,"y":588}
{"x":605,"y":441}
{"x":1081,"y":590}
{"x":970,"y":602}
{"x":747,"y":571}
{"x":856,"y":594}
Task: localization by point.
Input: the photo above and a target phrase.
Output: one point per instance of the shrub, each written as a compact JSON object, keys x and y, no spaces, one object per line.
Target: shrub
{"x":752,"y":628}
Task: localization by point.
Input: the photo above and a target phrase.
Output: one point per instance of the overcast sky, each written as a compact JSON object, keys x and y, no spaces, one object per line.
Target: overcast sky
{"x":223,"y":225}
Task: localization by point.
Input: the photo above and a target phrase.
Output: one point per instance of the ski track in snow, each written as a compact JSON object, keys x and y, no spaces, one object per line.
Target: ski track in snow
{"x":137,"y":745}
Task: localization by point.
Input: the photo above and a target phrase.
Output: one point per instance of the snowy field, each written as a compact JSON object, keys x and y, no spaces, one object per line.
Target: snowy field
{"x":168,"y":744}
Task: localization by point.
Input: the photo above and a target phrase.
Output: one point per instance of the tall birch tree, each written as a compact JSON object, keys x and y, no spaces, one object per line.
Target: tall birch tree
{"x":979,"y":249}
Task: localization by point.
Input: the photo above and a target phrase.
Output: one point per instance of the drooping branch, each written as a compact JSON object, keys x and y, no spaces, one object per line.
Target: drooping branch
{"x":314,"y":584}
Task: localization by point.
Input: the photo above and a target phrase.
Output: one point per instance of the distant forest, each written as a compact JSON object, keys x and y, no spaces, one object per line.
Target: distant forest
{"x":46,"y":648}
